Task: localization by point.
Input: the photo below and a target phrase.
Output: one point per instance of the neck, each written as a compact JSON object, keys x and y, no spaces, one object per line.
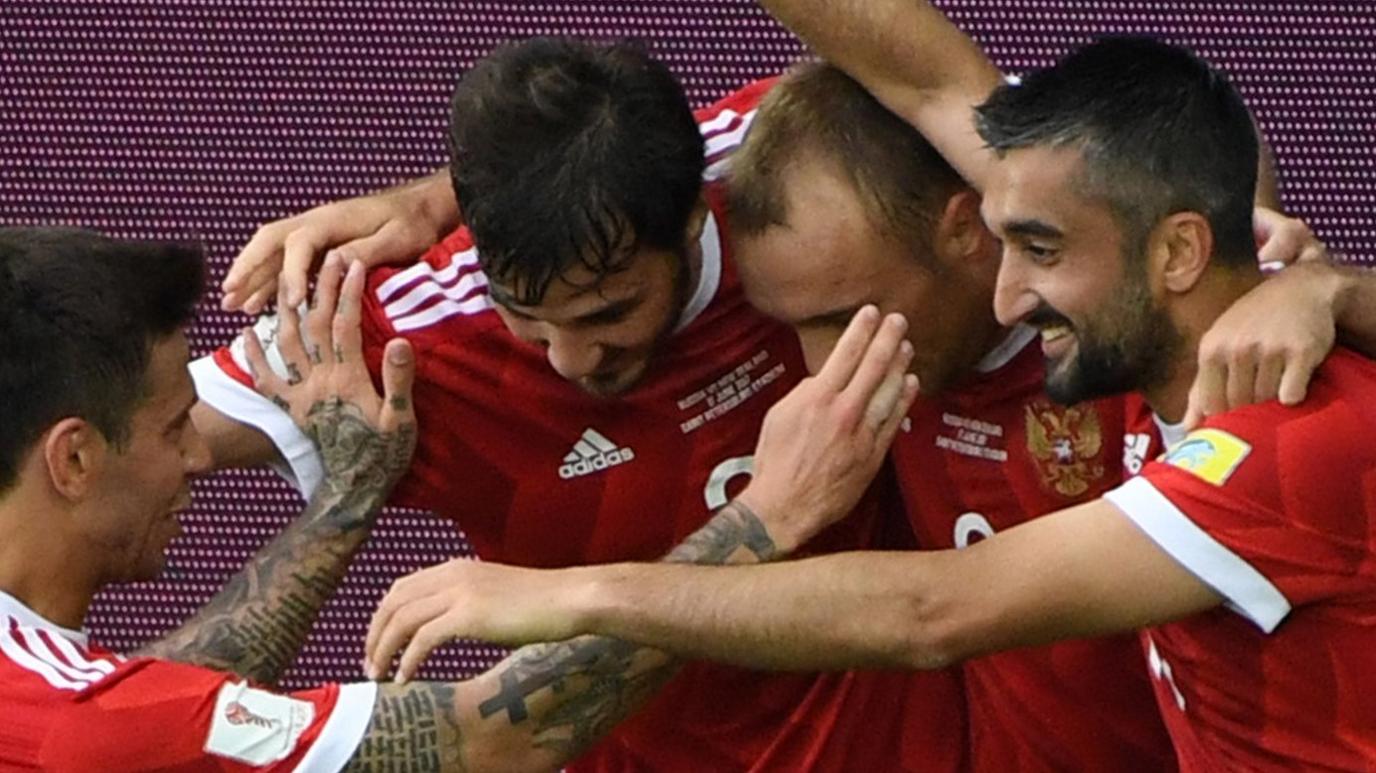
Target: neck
{"x":37,"y":566}
{"x":1193,"y":313}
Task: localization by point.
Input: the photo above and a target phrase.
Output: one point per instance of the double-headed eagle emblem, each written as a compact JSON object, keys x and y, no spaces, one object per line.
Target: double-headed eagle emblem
{"x":1065,"y":444}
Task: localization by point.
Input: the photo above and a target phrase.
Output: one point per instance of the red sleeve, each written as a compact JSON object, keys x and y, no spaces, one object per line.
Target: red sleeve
{"x":159,"y":715}
{"x":1268,"y":496}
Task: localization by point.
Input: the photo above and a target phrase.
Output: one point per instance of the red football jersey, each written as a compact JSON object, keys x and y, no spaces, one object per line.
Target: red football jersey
{"x":1274,"y":508}
{"x":994,"y":452}
{"x":538,"y":473}
{"x":69,"y":705}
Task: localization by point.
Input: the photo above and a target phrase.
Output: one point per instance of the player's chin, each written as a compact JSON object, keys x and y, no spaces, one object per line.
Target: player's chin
{"x":613,"y":384}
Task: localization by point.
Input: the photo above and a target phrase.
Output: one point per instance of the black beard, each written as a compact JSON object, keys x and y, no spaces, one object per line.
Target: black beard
{"x":1131,"y":346}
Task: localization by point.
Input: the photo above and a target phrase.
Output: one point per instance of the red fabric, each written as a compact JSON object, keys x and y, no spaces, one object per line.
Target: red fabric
{"x":1300,"y":509}
{"x":145,"y":715}
{"x":1077,"y":705}
{"x":496,"y":425}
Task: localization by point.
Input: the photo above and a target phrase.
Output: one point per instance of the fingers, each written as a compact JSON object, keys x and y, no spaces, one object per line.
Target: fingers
{"x":1267,"y":385}
{"x":836,"y":372}
{"x":889,"y":428}
{"x":1242,"y":376}
{"x":433,"y":634}
{"x":299,"y":252}
{"x":252,"y":293}
{"x":264,"y":379}
{"x":1294,"y":382}
{"x":1208,"y":394}
{"x":258,"y":302}
{"x":401,"y":628}
{"x":320,"y":320}
{"x":348,"y":316}
{"x":881,"y":403}
{"x":289,"y":342}
{"x":398,"y":377}
{"x":878,"y":361}
{"x":262,"y":251}
{"x":393,"y":242}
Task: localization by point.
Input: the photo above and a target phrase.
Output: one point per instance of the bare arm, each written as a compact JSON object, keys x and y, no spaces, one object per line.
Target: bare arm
{"x":912,"y":59}
{"x":233,"y":444}
{"x":1081,"y":572}
{"x":388,"y":226}
{"x":1355,"y":304}
{"x":548,"y":703}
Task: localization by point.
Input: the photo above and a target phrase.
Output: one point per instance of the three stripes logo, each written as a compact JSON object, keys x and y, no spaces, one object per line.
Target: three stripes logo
{"x":593,"y":453}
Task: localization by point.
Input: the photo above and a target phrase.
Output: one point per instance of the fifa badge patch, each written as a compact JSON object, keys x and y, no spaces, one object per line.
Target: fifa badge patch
{"x":255,"y":726}
{"x":1211,"y":454}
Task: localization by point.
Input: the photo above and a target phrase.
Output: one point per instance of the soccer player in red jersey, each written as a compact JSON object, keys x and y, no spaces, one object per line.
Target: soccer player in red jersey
{"x":1122,"y":192}
{"x":95,"y":463}
{"x":591,"y":384}
{"x":1077,"y":703}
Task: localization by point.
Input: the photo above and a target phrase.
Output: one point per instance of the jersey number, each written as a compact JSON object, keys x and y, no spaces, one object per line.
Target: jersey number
{"x":722,"y":474}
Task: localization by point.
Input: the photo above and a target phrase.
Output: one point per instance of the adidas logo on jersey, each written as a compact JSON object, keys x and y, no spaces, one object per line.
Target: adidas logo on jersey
{"x":593,"y":453}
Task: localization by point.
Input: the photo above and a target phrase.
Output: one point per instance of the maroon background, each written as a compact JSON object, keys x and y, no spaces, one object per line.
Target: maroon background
{"x":204,"y":118}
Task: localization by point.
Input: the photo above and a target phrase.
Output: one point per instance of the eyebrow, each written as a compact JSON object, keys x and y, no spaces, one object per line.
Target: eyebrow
{"x":1033,"y":227}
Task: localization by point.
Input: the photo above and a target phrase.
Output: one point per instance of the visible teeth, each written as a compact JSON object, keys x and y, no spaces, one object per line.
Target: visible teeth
{"x":1053,"y":333}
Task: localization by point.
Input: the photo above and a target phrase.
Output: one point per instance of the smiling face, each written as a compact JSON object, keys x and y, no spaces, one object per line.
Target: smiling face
{"x":143,"y":484}
{"x":1069,"y":270}
{"x":830,"y":258}
{"x":602,"y":333}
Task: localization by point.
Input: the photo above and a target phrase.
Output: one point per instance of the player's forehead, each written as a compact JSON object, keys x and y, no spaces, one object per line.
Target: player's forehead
{"x":1037,"y":185}
{"x":168,"y":387}
{"x":797,"y":279}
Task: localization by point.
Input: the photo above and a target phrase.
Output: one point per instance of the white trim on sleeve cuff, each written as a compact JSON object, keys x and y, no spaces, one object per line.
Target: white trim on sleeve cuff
{"x":343,"y":731}
{"x":217,"y":389}
{"x":1247,"y":590}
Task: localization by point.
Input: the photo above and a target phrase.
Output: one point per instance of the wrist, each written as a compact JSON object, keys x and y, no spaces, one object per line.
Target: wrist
{"x":787,"y":531}
{"x":592,"y":596}
{"x":1345,"y":287}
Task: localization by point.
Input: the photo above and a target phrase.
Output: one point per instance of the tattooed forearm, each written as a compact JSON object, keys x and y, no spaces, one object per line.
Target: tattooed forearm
{"x":568,"y":695}
{"x":414,"y":729}
{"x":255,"y":625}
{"x":733,"y":528}
{"x":572,"y":693}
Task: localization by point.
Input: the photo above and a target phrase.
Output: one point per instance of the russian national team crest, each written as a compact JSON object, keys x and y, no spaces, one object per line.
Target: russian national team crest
{"x":1067,"y":446}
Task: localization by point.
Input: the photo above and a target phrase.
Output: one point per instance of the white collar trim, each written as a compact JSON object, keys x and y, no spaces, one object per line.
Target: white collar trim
{"x":1017,"y":339}
{"x":1170,"y":433}
{"x":13,"y":607}
{"x":709,"y":273}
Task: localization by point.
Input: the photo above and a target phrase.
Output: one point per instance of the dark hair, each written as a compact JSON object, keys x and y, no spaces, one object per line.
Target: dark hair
{"x":1160,"y":131}
{"x":903,"y":181}
{"x":79,"y":313}
{"x":563,"y":152}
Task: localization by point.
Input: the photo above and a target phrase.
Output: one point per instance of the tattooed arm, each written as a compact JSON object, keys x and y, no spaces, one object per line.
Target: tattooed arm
{"x":547,"y":703}
{"x":255,"y":626}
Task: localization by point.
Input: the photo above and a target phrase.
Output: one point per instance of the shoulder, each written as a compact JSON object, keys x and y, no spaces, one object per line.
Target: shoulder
{"x":445,"y":288}
{"x":724,"y":123}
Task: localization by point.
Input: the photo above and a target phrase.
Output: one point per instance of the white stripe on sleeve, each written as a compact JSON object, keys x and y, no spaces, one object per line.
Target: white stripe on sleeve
{"x":343,"y":731}
{"x":1247,"y":590}
{"x":217,"y":389}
